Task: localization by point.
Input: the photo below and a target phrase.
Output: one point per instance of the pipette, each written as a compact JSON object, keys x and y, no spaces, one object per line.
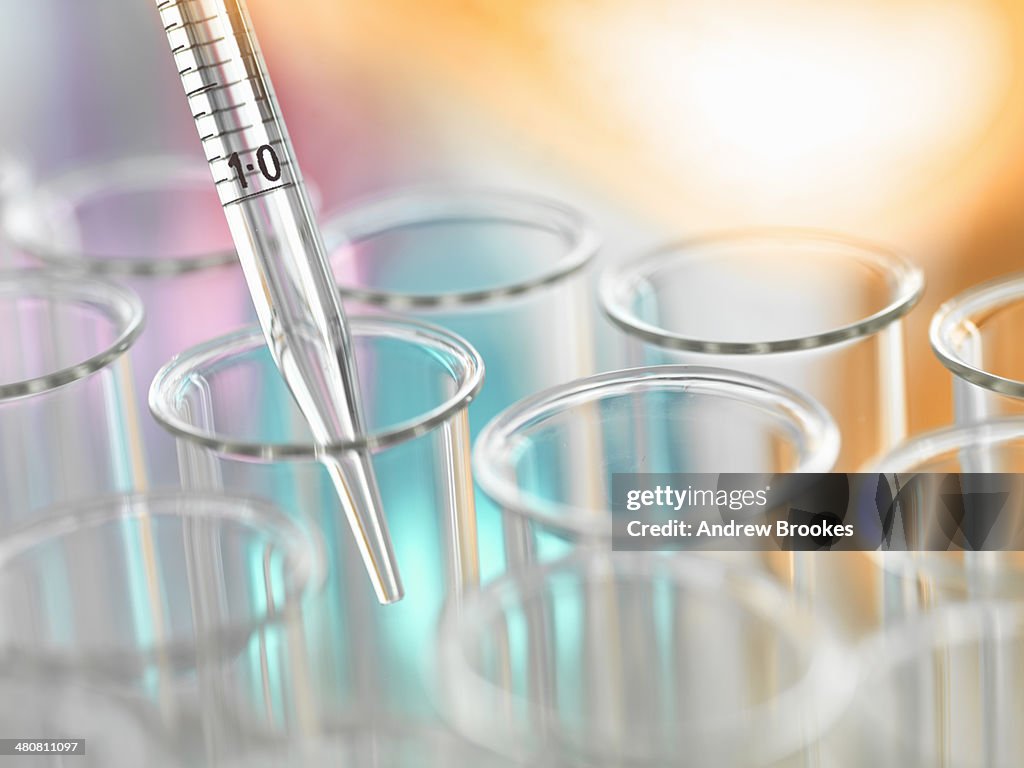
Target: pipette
{"x":280,"y":248}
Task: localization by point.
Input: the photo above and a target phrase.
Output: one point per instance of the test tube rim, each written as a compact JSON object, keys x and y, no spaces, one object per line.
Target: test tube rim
{"x":909,"y":280}
{"x":919,"y":449}
{"x":829,"y":660}
{"x":956,"y":313}
{"x":419,"y":206}
{"x":817,"y":427}
{"x":912,"y":456}
{"x":302,"y":543}
{"x":121,"y":305}
{"x":76,"y":184}
{"x":468,"y":372}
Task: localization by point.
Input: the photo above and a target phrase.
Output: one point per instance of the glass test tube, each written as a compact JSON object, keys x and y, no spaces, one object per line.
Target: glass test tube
{"x":918,"y":579}
{"x":154,"y":600}
{"x":818,"y":311}
{"x":238,"y":428}
{"x":546,"y":664}
{"x":976,"y":335}
{"x":506,"y":271}
{"x":942,"y":690}
{"x":68,"y":424}
{"x":154,"y":223}
{"x":548,"y":462}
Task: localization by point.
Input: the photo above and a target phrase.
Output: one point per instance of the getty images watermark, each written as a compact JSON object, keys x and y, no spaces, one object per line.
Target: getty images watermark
{"x":753,"y":502}
{"x":839,"y":511}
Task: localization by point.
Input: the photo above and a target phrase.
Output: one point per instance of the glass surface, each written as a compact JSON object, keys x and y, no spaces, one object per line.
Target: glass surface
{"x":639,"y":659}
{"x":239,"y":429}
{"x":131,"y":621}
{"x":507,"y":271}
{"x":155,"y":223}
{"x":445,"y":247}
{"x":548,"y":461}
{"x":817,"y":311}
{"x":943,"y":690}
{"x":68,"y":424}
{"x":919,"y":580}
{"x":976,"y":336}
{"x":121,"y":587}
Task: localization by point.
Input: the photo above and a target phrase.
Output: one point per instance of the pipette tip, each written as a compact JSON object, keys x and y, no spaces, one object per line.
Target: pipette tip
{"x":357,"y":489}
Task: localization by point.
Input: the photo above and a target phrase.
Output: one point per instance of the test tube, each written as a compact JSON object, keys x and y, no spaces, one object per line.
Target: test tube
{"x":153,"y":223}
{"x":152,"y":599}
{"x":944,"y":689}
{"x":504,"y":270}
{"x":818,"y":311}
{"x":507,"y":271}
{"x":976,"y":336}
{"x":549,"y":461}
{"x":549,"y":464}
{"x":731,"y":672}
{"x":918,"y":578}
{"x":238,"y":429}
{"x":69,"y":428}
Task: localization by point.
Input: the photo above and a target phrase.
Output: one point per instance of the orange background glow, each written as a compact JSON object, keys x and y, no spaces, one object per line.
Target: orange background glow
{"x":895,"y":120}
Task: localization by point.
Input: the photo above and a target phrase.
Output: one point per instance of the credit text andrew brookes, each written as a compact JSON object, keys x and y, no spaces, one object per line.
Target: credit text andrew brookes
{"x":666,"y":497}
{"x":927,"y":511}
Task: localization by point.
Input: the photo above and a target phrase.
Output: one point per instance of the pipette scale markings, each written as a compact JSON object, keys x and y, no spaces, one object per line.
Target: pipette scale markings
{"x":280,"y":248}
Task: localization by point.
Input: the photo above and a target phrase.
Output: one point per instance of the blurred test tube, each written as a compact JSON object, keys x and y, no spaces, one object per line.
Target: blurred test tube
{"x":979,"y":518}
{"x":155,"y":601}
{"x":69,"y":427}
{"x":752,"y":698}
{"x":942,"y":689}
{"x":154,"y":223}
